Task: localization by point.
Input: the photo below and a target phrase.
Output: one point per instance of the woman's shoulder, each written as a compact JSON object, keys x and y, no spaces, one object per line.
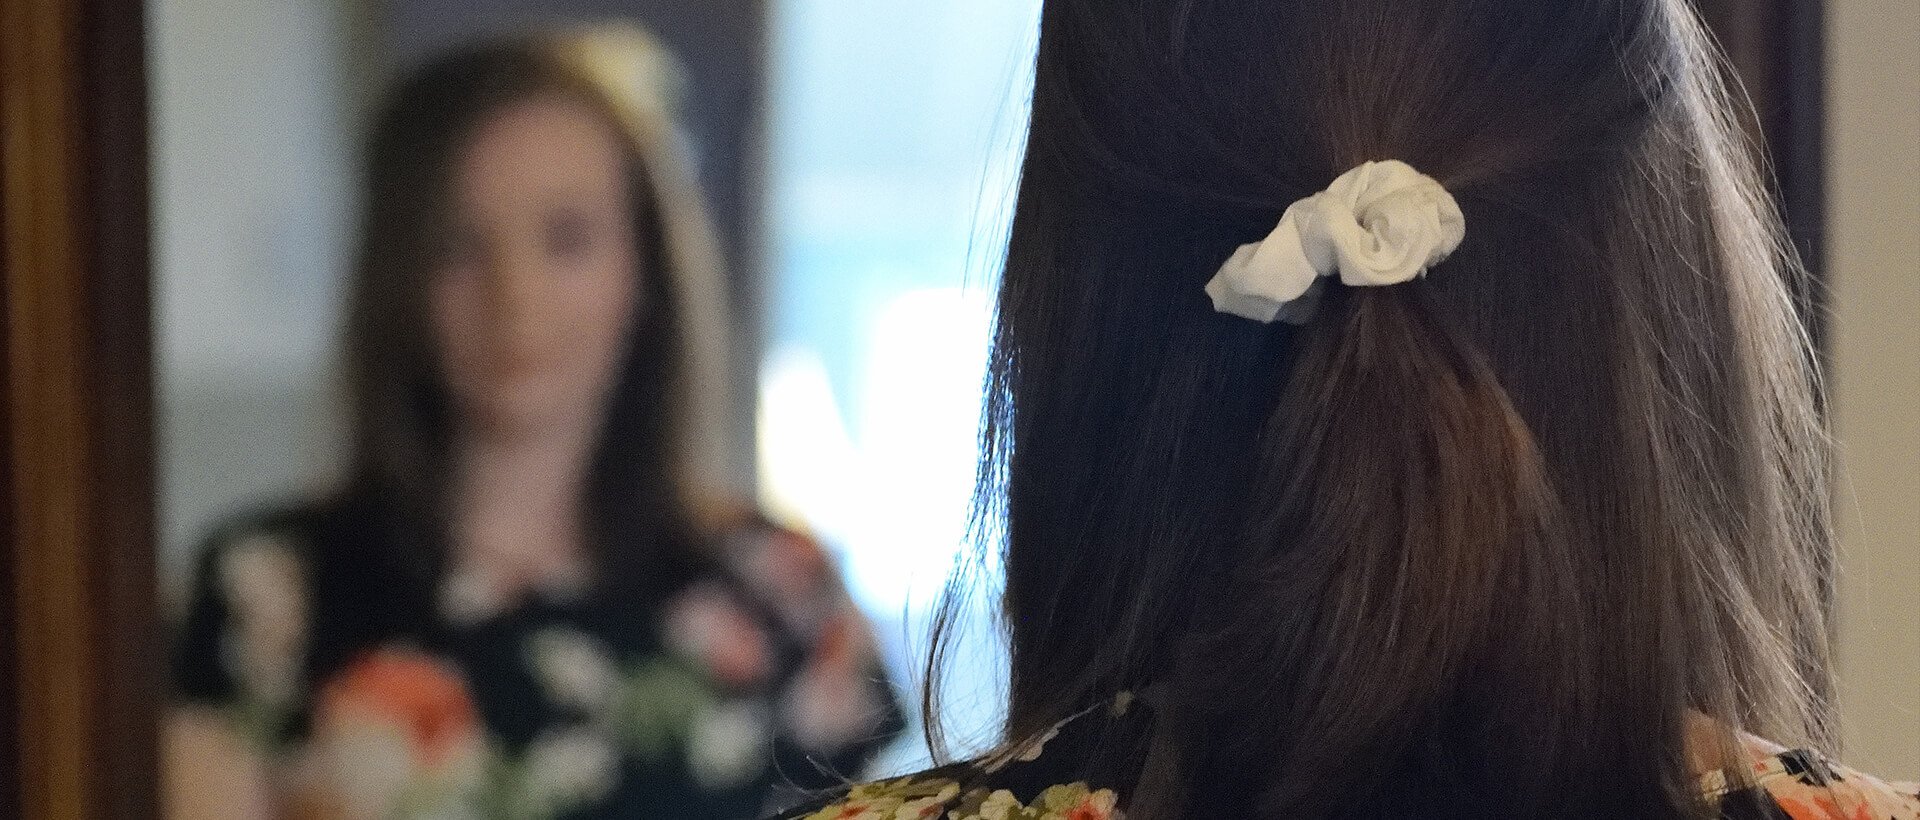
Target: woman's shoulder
{"x":293,"y":525}
{"x":242,"y":637}
{"x":265,"y":554}
{"x":1799,"y":784}
{"x":1787,"y":785}
{"x":291,"y":531}
{"x":1042,"y":780}
{"x":1051,"y":776}
{"x":260,"y":558}
{"x":936,"y":795}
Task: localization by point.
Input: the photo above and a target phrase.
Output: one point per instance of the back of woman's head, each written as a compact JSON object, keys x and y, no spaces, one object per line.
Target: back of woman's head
{"x":1501,"y":533}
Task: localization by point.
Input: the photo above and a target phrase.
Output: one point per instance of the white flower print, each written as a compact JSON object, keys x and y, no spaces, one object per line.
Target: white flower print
{"x":468,"y":596}
{"x":576,"y":669}
{"x":1000,"y":805}
{"x":264,"y":584}
{"x":369,"y":768}
{"x":827,"y":708}
{"x":363,"y":767}
{"x":395,"y":735}
{"x":925,"y":806}
{"x":708,"y":626}
{"x":730,"y":743}
{"x":904,"y":799}
{"x":569,"y":768}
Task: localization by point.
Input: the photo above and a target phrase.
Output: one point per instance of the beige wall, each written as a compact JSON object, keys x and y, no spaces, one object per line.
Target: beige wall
{"x":254,"y":107}
{"x":1874,"y":189}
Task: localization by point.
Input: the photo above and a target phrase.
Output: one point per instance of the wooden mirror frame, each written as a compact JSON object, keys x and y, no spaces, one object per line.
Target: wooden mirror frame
{"x":80,"y":644}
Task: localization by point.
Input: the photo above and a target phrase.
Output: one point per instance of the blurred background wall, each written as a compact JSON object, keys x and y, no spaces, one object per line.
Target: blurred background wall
{"x":255,"y":107}
{"x":1873,"y":229}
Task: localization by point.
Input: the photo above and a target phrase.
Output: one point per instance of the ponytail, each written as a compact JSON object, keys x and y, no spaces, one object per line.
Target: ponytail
{"x":1400,"y":548}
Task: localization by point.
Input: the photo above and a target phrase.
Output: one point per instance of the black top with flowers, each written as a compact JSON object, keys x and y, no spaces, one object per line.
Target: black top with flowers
{"x":755,"y":682}
{"x":1064,"y":775}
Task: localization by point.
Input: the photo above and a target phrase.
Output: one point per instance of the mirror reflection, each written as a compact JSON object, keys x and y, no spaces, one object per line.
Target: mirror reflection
{"x":459,"y":498}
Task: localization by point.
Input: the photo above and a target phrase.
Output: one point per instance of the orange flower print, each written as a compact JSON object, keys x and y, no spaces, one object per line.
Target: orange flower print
{"x":396,"y":734}
{"x":1075,"y":801}
{"x":404,"y":689}
{"x":794,"y":564}
{"x":912,"y":798}
{"x":1090,"y":809}
{"x":1838,"y":793}
{"x":1819,"y":808}
{"x":709,"y":627}
{"x":792,"y":574}
{"x":902,"y":799}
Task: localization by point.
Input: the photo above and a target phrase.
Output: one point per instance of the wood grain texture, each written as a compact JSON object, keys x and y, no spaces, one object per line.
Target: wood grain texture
{"x":78,"y":491}
{"x":48,"y":610}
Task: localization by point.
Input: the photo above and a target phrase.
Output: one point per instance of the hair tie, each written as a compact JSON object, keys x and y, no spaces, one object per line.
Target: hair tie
{"x":1382,"y":223}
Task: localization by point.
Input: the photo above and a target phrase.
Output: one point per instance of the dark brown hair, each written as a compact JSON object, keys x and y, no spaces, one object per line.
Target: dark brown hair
{"x":384,"y":541}
{"x":1494,"y":538}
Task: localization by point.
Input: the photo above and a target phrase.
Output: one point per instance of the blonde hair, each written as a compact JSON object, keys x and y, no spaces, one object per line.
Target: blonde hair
{"x":644,"y":85}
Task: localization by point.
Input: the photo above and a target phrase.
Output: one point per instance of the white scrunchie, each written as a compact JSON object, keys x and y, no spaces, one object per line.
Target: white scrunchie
{"x":1382,"y":223}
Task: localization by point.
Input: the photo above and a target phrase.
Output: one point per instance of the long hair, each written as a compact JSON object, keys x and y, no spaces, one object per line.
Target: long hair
{"x":1494,"y":538}
{"x":385,"y":531}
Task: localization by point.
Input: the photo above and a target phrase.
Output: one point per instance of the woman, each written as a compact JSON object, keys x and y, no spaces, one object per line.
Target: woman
{"x":1399,"y":409}
{"x":520,"y":604}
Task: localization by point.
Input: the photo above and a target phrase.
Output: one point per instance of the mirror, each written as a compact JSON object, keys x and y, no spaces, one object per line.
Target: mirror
{"x":841,"y":156}
{"x":855,"y":164}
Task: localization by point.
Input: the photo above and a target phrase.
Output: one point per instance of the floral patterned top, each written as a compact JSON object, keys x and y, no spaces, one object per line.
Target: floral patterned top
{"x":755,"y":684}
{"x":1041,"y":781}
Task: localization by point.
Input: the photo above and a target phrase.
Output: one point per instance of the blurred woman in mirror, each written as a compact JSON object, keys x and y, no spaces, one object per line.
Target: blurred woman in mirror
{"x":527,"y":600}
{"x":1399,"y":409}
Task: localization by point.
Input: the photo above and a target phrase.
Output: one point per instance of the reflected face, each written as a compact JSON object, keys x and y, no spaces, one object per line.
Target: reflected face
{"x":536,"y":285}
